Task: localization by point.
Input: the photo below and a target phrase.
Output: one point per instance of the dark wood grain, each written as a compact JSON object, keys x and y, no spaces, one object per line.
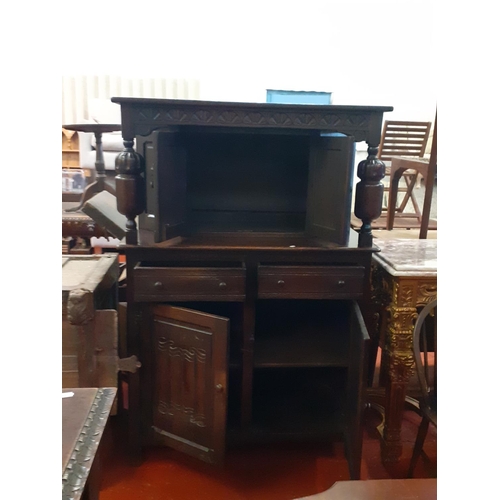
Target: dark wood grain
{"x":247,"y":206}
{"x":235,"y":166}
{"x":302,"y":282}
{"x":142,"y":115}
{"x":184,"y":283}
{"x":190,"y":387}
{"x":429,"y":185}
{"x":101,"y":128}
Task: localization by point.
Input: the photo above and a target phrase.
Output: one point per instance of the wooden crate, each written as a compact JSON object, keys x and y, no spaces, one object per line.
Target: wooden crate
{"x":89,"y":320}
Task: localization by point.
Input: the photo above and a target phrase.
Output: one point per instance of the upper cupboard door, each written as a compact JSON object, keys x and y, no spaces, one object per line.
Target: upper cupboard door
{"x":329,"y":190}
{"x":190,"y":381}
{"x":166,"y":185}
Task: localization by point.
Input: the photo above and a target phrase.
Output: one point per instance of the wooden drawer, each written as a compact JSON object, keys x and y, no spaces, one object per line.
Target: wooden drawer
{"x":310,"y":282}
{"x":158,"y":284}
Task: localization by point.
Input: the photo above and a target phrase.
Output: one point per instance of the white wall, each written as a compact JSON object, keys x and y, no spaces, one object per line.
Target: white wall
{"x":364,"y":52}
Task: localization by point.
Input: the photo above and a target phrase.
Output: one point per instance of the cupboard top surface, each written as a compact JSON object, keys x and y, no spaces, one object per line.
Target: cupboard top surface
{"x":254,"y":105}
{"x":142,"y":115}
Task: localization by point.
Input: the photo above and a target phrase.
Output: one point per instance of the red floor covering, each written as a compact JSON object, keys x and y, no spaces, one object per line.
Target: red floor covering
{"x":265,"y":473}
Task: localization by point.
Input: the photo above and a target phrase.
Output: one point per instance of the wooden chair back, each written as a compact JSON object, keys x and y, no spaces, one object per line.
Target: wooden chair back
{"x":401,"y":138}
{"x":425,"y":343}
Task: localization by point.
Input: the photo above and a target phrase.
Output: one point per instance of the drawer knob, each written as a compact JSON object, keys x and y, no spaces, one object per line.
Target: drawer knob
{"x":158,"y":284}
{"x":281,"y":282}
{"x":222,"y":285}
{"x":341,"y":283}
{"x":219,"y":388}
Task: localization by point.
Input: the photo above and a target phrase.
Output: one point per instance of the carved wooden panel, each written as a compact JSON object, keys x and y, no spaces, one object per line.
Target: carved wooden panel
{"x":190,"y":381}
{"x":147,"y":118}
{"x":141,"y":116}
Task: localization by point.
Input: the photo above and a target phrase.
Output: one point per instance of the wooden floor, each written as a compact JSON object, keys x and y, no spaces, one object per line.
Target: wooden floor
{"x":264,"y":473}
{"x":260,"y":473}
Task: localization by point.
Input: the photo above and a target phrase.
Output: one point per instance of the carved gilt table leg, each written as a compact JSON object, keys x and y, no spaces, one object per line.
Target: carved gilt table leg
{"x":399,"y":349}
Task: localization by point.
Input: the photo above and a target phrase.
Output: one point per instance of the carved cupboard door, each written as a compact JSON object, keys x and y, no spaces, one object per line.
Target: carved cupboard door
{"x":190,"y":358}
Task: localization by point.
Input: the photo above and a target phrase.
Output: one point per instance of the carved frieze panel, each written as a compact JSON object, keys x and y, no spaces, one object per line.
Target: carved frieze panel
{"x":149,"y":118}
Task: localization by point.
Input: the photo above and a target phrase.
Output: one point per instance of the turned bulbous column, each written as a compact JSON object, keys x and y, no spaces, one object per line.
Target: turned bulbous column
{"x":369,"y":195}
{"x":130,"y":189}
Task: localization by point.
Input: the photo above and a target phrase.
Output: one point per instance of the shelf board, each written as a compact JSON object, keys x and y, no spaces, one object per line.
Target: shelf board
{"x":300,"y":349}
{"x":258,"y":433}
{"x":301,"y":334}
{"x":296,"y":405}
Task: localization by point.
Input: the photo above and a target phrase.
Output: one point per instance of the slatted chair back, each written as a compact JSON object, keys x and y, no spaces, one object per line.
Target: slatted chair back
{"x":402,"y":138}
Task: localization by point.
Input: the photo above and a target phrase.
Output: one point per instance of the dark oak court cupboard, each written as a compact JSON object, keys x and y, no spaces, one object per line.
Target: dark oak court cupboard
{"x":244,"y":278}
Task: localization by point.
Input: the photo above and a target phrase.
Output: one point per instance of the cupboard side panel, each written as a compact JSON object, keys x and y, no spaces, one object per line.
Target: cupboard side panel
{"x":356,"y":390}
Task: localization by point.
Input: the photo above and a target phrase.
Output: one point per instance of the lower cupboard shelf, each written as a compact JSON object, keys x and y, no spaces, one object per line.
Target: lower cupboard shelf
{"x":298,"y":404}
{"x":301,"y":333}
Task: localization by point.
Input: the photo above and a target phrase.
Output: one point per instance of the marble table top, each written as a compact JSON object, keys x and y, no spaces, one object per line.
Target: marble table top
{"x":404,"y":257}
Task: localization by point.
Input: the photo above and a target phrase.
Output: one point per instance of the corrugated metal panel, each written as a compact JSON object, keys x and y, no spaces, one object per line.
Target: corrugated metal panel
{"x":78,"y":90}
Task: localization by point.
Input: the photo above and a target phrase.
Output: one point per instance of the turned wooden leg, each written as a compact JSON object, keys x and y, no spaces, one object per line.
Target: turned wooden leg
{"x":100,"y":167}
{"x":399,"y":349}
{"x":130,"y":195}
{"x":393,"y":199}
{"x":369,"y":194}
{"x":100,"y":181}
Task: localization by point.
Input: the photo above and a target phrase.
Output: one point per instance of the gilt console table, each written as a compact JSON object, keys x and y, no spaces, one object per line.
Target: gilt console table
{"x":404,"y":279}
